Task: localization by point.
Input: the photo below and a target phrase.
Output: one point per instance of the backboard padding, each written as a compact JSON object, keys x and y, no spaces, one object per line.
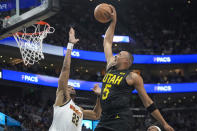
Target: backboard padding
{"x":17,"y":23}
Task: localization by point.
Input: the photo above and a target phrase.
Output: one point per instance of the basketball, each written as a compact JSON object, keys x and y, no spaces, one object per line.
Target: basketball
{"x":102,"y":13}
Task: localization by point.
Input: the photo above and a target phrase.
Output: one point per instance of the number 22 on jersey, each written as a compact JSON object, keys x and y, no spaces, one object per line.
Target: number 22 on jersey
{"x":106,"y":91}
{"x":75,"y":119}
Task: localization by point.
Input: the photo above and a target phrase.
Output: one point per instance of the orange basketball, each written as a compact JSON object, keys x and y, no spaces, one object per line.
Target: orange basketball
{"x":102,"y":13}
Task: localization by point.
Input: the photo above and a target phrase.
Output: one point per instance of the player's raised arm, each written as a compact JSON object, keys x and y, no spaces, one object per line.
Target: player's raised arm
{"x":108,"y":40}
{"x":137,"y":81}
{"x":62,"y":92}
{"x":96,"y":112}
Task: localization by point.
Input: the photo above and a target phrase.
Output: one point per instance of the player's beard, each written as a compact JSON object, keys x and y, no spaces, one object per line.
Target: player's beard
{"x":117,"y":65}
{"x":73,"y":95}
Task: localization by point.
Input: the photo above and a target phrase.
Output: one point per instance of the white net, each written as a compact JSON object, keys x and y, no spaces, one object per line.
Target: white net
{"x":30,"y":44}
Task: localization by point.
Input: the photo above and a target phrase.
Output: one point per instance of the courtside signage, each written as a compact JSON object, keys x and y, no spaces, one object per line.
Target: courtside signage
{"x":9,"y":5}
{"x":12,"y":122}
{"x":163,"y":88}
{"x":43,"y":80}
{"x":4,"y":119}
{"x":162,"y":59}
{"x":100,"y":56}
{"x":5,"y":6}
{"x":87,"y":85}
{"x":87,"y":55}
{"x":170,"y":88}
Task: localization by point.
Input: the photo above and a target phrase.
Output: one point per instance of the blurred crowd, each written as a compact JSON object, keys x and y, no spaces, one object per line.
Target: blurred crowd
{"x":156,"y":28}
{"x":30,"y":112}
{"x":37,"y":116}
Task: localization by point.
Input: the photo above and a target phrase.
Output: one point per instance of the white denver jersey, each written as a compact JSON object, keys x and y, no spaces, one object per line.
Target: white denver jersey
{"x":67,"y":117}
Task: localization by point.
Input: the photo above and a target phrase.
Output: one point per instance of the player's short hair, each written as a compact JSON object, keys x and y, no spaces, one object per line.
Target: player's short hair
{"x":131,"y":58}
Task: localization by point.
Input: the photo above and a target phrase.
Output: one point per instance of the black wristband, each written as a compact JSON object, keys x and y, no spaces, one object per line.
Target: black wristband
{"x":151,"y":108}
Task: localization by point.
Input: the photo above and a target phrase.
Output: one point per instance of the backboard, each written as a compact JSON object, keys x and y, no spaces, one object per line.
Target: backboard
{"x":16,"y":15}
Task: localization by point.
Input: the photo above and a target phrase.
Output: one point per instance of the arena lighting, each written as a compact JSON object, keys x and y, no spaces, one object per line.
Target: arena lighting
{"x":87,"y":85}
{"x":121,"y":39}
{"x":0,"y":74}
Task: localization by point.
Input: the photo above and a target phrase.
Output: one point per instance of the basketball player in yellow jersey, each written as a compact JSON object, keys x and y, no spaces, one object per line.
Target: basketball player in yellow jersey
{"x":67,"y":116}
{"x":117,"y":86}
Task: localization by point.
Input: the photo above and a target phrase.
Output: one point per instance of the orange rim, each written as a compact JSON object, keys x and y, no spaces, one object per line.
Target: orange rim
{"x":37,"y":33}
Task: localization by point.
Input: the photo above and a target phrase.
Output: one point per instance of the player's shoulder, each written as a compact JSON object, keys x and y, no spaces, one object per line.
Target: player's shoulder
{"x":132,"y":78}
{"x":64,"y":104}
{"x":133,"y":75}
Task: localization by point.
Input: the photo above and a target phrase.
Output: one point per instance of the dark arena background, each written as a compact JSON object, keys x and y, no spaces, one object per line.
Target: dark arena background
{"x":161,"y":35}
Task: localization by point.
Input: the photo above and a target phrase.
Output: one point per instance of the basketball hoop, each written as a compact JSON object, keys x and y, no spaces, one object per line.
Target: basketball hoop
{"x":30,"y":44}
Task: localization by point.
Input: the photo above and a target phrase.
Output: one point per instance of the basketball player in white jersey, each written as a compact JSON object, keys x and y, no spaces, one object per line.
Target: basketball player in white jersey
{"x":67,"y":116}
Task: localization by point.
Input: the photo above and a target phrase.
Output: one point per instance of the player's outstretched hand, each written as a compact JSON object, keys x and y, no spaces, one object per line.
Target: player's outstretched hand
{"x":72,"y":38}
{"x":168,"y":127}
{"x":97,"y":89}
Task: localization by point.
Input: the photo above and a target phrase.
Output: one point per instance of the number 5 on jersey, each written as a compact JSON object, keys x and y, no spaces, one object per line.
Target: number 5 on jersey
{"x":106,"y":91}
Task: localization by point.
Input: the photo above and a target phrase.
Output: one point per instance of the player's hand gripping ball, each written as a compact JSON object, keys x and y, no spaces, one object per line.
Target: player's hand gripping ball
{"x":103,"y":13}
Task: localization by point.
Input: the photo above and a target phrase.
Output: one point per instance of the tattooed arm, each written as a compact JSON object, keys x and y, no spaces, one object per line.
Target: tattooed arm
{"x":62,"y":94}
